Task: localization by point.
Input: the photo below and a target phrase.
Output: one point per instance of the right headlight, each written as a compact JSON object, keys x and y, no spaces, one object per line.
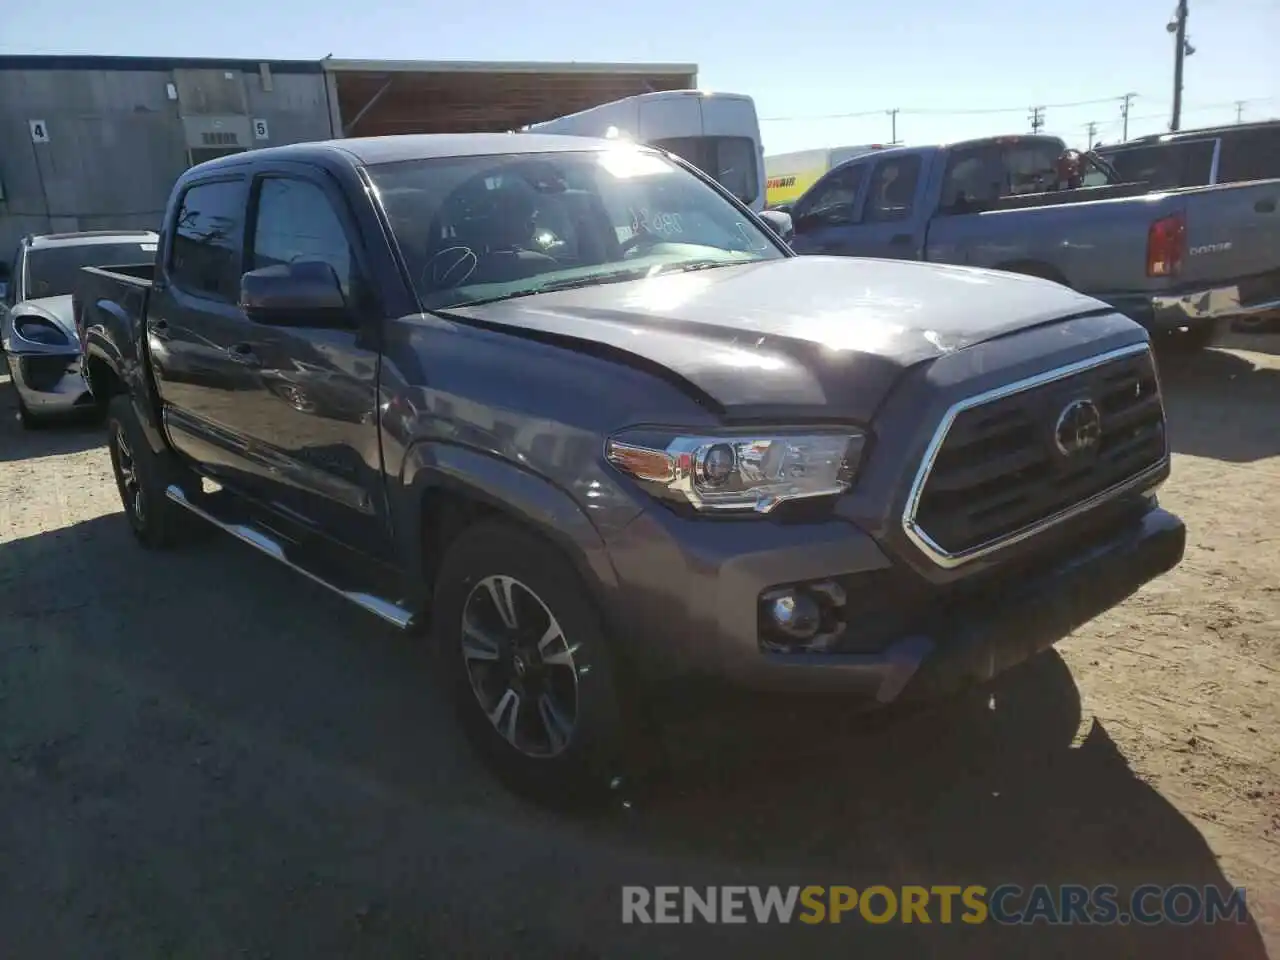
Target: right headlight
{"x":743,"y":472}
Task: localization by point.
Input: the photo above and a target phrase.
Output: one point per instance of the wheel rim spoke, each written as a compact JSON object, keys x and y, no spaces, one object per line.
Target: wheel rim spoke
{"x":478,"y":645}
{"x":500,"y":592}
{"x":557,"y":727}
{"x":506,"y":714}
{"x":561,"y":658}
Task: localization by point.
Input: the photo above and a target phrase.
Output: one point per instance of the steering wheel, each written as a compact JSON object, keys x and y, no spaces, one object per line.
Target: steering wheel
{"x":450,"y":267}
{"x":633,"y":242}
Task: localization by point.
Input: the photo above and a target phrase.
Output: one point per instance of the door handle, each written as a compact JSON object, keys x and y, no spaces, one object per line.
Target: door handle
{"x":243,"y":353}
{"x":159,"y":326}
{"x":1266,"y":205}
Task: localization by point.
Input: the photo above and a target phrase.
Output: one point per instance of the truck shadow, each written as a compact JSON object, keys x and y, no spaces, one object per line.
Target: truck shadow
{"x":213,"y":679}
{"x":1221,"y":405}
{"x":1003,"y":785}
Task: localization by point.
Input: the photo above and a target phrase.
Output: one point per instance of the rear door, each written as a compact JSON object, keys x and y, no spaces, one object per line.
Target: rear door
{"x":193,"y":317}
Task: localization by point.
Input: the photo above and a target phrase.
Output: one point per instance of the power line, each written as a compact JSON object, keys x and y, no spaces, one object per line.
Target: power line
{"x":1194,"y":108}
{"x":931,"y":111}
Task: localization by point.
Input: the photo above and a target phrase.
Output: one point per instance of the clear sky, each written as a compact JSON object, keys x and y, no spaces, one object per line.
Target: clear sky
{"x":933,"y":59}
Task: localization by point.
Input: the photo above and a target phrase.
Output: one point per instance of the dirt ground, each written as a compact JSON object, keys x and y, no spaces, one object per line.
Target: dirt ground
{"x":203,"y":755}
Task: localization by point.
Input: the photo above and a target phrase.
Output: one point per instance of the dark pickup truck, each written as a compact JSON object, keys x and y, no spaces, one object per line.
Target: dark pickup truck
{"x":1177,"y":261}
{"x":574,"y":406}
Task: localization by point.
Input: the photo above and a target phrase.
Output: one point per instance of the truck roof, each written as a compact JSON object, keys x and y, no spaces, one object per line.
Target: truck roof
{"x":41,"y":241}
{"x":423,"y":146}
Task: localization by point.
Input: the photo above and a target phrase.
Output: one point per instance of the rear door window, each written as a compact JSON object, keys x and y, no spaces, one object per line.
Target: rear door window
{"x":208,"y":237}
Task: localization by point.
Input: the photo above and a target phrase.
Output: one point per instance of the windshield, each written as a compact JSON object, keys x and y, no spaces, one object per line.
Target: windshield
{"x":484,"y":228}
{"x":54,"y":271}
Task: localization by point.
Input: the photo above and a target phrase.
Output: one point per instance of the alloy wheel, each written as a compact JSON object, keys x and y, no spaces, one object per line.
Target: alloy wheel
{"x":521,"y":666}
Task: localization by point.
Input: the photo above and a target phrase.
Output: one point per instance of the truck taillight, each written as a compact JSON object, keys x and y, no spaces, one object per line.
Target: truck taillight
{"x":1166,"y":243}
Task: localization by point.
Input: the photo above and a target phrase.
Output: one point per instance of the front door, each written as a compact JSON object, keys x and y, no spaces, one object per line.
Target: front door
{"x":892,"y":224}
{"x":312,"y":430}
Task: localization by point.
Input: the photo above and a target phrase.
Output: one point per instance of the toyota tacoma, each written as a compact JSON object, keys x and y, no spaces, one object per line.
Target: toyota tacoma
{"x":572,"y":407}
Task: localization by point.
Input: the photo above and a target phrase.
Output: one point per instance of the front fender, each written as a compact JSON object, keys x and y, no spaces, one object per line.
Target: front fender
{"x":505,"y":487}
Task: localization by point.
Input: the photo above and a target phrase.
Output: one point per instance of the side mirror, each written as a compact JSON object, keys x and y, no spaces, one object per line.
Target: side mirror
{"x":786,"y":207}
{"x":780,"y":223}
{"x":305,"y":293}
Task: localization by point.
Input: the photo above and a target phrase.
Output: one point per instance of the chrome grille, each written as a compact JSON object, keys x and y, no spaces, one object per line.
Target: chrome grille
{"x":1006,"y":464}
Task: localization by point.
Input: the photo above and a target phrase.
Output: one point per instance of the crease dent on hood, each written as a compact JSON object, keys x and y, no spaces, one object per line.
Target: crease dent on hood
{"x":811,"y":331}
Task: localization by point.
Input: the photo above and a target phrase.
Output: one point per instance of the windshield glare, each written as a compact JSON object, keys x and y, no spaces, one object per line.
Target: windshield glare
{"x":482,"y":228}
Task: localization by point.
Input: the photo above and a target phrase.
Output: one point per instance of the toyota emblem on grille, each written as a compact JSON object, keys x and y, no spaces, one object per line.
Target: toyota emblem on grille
{"x":1079,"y":428}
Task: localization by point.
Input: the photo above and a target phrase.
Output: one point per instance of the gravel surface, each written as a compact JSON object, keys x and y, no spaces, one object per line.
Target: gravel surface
{"x":205,"y":755}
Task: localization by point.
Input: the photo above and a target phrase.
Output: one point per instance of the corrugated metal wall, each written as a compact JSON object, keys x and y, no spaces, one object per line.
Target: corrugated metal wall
{"x":116,"y":142}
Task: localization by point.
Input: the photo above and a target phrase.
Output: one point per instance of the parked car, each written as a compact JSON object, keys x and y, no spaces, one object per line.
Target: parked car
{"x":1203,"y":157}
{"x":36,"y":327}
{"x":674,"y":449}
{"x":1178,"y":260}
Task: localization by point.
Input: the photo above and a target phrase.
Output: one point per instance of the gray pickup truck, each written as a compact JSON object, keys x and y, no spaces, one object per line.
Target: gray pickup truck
{"x":1175,"y":260}
{"x":578,"y":409}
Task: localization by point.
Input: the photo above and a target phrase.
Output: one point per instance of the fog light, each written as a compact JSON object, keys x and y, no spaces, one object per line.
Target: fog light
{"x":796,"y":614}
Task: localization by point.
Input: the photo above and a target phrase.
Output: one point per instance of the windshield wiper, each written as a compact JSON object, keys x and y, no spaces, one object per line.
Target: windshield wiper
{"x":564,"y":283}
{"x":692,"y":265}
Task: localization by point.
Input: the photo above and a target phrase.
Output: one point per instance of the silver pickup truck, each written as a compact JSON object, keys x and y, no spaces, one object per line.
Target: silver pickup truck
{"x":1175,"y":260}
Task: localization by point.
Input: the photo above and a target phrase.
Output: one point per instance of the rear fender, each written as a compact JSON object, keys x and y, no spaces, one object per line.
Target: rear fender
{"x":109,"y":336}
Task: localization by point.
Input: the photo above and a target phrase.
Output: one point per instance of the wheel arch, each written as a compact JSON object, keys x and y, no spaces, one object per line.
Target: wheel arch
{"x":446,"y":487}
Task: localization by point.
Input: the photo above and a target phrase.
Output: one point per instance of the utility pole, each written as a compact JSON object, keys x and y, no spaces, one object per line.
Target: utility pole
{"x":1037,"y":119}
{"x":1124,"y":115}
{"x":1240,"y":110}
{"x":1092,"y":127}
{"x":893,"y":125}
{"x":1179,"y":29}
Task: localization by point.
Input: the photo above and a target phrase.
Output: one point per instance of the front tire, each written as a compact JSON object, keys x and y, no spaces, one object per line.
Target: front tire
{"x":142,"y":476}
{"x":528,"y":666}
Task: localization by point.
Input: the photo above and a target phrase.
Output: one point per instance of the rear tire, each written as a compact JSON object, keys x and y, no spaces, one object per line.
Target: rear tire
{"x":529,"y":670}
{"x":142,"y":475}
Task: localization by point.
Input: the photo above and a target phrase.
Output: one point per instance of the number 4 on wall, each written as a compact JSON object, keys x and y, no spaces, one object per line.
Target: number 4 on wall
{"x":39,"y":131}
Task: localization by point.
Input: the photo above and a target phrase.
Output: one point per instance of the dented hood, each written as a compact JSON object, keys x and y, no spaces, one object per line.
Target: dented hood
{"x":802,"y":331}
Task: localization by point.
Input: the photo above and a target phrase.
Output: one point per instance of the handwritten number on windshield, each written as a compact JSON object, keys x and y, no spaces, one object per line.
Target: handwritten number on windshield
{"x":657,"y":223}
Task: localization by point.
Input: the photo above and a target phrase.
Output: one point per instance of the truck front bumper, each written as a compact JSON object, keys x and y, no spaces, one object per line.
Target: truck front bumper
{"x":709,"y":620}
